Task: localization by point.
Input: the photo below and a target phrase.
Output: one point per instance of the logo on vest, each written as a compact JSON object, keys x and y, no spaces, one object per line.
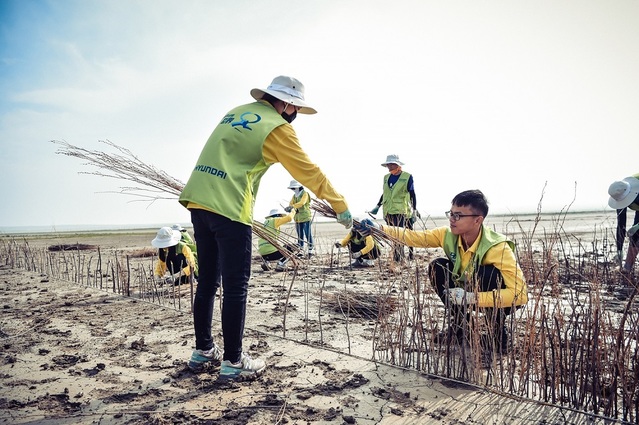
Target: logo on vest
{"x":245,"y":121}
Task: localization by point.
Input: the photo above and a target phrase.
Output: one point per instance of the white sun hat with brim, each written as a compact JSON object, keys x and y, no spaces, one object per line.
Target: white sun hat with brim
{"x":623,"y":193}
{"x":286,"y":89}
{"x":294,"y":184}
{"x":166,"y":237}
{"x":275,"y":213}
{"x":177,"y":227}
{"x":392,"y":159}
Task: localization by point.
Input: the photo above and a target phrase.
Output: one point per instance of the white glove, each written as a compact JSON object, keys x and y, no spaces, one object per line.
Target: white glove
{"x":338,"y":245}
{"x":633,"y":230}
{"x":161,"y":280}
{"x":357,"y":254}
{"x":458,"y":296}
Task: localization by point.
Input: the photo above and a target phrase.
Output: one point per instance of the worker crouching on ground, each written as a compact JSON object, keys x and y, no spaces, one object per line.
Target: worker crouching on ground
{"x":479,"y":272}
{"x":268,"y":251}
{"x":364,"y":249}
{"x":174,"y":257}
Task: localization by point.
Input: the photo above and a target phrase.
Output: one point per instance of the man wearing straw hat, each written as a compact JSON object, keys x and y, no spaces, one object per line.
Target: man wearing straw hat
{"x":220,"y":195}
{"x":398,"y":200}
{"x":624,"y":195}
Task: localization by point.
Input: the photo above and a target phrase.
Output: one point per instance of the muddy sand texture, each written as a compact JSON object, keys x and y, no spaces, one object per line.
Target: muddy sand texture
{"x":74,"y":355}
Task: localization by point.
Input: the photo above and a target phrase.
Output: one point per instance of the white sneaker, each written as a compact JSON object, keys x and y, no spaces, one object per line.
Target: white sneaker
{"x":200,"y":357}
{"x":246,"y":368}
{"x":281,"y":266}
{"x":368,"y":263}
{"x":357,"y":263}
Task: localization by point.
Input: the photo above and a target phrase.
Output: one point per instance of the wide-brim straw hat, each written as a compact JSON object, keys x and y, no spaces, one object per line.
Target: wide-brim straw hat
{"x":623,"y":193}
{"x":294,"y":184}
{"x":286,"y":89}
{"x":275,"y":213}
{"x":392,"y":159}
{"x":166,"y":237}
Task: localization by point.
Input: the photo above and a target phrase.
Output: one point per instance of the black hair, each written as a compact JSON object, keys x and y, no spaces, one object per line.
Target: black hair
{"x":474,"y":199}
{"x":270,"y":98}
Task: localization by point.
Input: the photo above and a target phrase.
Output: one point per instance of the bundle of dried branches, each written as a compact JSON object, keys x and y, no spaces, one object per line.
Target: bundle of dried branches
{"x":151,"y":183}
{"x":325,"y":210}
{"x":363,"y":305}
{"x":72,"y":246}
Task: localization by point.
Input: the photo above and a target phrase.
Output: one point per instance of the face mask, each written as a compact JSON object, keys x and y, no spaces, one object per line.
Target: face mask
{"x":289,"y":117}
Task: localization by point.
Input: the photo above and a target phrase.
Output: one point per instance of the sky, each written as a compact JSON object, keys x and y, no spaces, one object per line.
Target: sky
{"x":534,"y":103}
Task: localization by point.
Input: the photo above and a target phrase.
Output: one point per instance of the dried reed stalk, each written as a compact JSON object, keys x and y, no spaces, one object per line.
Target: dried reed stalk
{"x":151,"y":183}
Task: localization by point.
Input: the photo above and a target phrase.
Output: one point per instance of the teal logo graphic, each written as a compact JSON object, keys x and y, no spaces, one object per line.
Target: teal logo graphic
{"x":245,"y":119}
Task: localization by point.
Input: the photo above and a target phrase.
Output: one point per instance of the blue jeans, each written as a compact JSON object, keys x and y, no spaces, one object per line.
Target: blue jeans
{"x":304,"y":229}
{"x":224,"y":253}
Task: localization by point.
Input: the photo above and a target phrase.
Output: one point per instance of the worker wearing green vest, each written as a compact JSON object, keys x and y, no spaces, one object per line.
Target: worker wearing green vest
{"x":220,"y":195}
{"x":398,"y":201}
{"x":174,"y":257}
{"x":301,"y":203}
{"x":364,"y":249}
{"x":272,"y":223}
{"x":479,"y":270}
{"x":624,"y":195}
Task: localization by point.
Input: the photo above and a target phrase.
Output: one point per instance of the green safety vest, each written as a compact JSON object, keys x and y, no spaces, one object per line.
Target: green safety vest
{"x":227,"y":175}
{"x":303,"y":214}
{"x":264,"y":247}
{"x":489,"y":238}
{"x":396,"y":200}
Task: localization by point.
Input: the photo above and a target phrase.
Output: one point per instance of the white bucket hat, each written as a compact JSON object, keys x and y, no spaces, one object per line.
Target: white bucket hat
{"x":392,"y":159}
{"x":623,"y":193}
{"x":166,"y":237}
{"x":286,"y":89}
{"x":294,"y":185}
{"x":177,"y":227}
{"x":275,"y":213}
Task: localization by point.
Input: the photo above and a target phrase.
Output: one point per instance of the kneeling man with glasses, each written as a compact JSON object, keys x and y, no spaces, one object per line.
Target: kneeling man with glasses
{"x":479,"y":272}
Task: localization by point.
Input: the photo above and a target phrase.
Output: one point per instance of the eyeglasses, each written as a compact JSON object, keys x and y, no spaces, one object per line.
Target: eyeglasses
{"x":455,"y":216}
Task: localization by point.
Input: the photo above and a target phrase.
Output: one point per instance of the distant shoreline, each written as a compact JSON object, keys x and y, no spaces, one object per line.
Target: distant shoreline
{"x":144,"y":228}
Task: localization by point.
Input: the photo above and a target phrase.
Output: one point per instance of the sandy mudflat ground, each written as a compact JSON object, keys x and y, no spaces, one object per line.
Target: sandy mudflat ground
{"x":74,"y":355}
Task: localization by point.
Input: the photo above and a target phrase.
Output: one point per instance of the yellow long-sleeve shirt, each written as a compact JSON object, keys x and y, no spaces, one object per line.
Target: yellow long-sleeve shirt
{"x":368,"y":241}
{"x":283,"y":146}
{"x":303,"y":200}
{"x":501,"y":256}
{"x":161,"y":267}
